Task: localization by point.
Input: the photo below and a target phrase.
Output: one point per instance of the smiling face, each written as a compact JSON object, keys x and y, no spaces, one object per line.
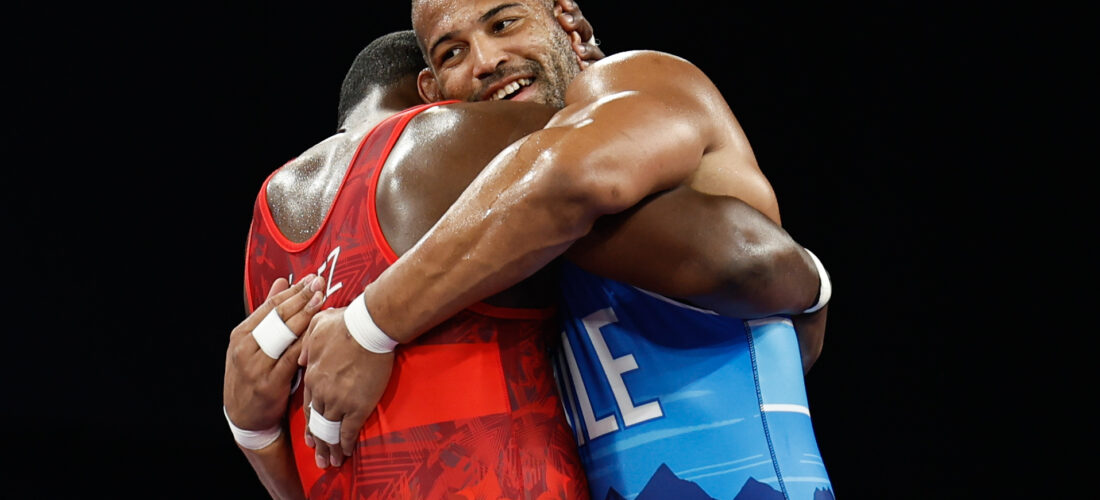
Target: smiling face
{"x":482,"y":50}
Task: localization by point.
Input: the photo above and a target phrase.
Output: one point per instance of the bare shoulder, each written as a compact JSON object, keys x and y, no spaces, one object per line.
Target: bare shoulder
{"x":641,"y":58}
{"x":506,"y":121}
{"x":441,"y":151}
{"x":652,"y":71}
{"x":288,"y":178}
{"x":464,"y":136}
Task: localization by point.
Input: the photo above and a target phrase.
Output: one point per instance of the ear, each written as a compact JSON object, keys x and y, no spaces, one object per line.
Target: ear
{"x":428,"y":86}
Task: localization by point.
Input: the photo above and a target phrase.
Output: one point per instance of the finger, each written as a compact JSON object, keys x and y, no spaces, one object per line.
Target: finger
{"x":321,"y":453}
{"x":303,"y":358}
{"x":279,"y":285}
{"x":572,"y":19}
{"x":349,"y":431}
{"x":320,"y":456}
{"x":287,"y":364}
{"x":310,"y":440}
{"x":569,"y":23}
{"x":325,"y":428}
{"x":272,"y":301}
{"x":335,"y":450}
{"x":297,"y":310}
{"x":335,"y":455}
{"x":307,"y":396}
{"x":592,"y":54}
{"x":324,"y":423}
{"x":587,"y":51}
{"x":273,"y":335}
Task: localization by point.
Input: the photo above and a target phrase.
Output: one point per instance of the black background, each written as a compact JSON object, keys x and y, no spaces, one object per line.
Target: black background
{"x":911,"y":147}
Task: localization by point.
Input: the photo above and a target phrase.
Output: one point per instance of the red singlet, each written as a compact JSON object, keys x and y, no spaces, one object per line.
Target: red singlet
{"x":471,"y":410}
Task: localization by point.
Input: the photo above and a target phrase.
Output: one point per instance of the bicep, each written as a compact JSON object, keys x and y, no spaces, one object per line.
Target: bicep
{"x":629,"y":145}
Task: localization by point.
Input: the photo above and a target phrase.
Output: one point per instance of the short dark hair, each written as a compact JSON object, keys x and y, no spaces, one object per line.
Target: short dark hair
{"x":383,"y":62}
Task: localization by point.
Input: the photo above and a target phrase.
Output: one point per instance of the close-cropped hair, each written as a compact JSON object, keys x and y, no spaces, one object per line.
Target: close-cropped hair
{"x":383,"y":62}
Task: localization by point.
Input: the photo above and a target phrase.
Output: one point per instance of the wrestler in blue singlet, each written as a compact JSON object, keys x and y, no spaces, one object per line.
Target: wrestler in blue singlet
{"x":681,"y":403}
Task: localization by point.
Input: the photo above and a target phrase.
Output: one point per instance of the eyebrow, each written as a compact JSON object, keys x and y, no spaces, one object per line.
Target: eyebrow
{"x":484,"y":17}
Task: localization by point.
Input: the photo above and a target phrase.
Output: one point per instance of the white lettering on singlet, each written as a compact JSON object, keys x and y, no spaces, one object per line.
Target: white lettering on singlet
{"x":330,"y":288}
{"x":596,"y":428}
{"x":613,"y":369}
{"x":563,"y":376}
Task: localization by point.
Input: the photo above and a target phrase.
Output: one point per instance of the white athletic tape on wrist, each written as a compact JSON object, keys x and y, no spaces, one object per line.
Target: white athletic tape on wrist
{"x":253,"y":440}
{"x":322,"y":428}
{"x":273,"y":335}
{"x":826,"y":290}
{"x":363,"y":329}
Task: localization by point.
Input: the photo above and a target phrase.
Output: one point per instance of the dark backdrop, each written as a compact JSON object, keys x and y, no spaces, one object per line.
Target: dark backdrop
{"x":908,"y":145}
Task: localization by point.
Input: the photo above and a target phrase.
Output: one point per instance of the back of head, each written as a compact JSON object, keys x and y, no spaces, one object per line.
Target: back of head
{"x":382,"y":64}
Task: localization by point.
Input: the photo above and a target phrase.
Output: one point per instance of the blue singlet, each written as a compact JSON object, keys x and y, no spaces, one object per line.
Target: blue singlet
{"x":681,"y":403}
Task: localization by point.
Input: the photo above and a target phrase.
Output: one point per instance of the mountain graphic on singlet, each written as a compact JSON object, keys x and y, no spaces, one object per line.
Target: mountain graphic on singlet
{"x":665,"y":484}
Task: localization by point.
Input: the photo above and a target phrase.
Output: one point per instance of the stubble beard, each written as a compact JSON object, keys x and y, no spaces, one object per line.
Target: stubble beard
{"x":563,"y":68}
{"x":553,"y":77}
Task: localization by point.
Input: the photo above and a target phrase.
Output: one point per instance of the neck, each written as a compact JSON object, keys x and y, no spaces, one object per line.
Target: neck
{"x":381,"y":102}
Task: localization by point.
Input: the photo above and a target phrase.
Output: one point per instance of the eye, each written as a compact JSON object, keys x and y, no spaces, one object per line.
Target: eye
{"x":449,"y":53}
{"x":503,"y":24}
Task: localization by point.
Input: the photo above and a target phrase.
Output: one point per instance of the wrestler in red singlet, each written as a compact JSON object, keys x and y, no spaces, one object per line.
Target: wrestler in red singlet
{"x":471,"y":410}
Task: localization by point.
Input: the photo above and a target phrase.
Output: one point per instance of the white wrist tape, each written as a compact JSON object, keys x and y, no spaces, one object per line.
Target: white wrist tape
{"x":826,"y":290}
{"x":273,"y":335}
{"x":253,"y":440}
{"x":322,"y":428}
{"x":363,"y":329}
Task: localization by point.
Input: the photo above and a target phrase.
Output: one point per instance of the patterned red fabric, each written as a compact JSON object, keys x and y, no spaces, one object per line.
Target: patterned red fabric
{"x":471,"y":411}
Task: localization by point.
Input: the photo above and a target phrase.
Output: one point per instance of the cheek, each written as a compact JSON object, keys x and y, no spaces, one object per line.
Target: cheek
{"x":549,"y":47}
{"x":448,"y":84}
{"x":455,"y":88}
{"x":536,"y":43}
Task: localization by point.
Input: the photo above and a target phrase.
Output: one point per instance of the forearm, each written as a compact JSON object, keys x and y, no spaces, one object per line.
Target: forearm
{"x":523,"y":211}
{"x":780,"y":280}
{"x":274,"y":465}
{"x":713,"y":251}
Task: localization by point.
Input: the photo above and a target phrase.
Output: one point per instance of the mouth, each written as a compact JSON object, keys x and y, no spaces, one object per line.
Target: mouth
{"x":510,"y":90}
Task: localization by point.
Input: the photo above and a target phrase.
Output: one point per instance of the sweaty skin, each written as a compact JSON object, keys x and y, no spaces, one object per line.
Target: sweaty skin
{"x":634,"y":125}
{"x":715,"y":250}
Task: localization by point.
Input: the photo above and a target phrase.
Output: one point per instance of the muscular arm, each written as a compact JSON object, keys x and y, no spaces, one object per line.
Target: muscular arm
{"x":630,"y":129}
{"x":526,"y":208}
{"x":715,"y":252}
{"x":274,"y":465}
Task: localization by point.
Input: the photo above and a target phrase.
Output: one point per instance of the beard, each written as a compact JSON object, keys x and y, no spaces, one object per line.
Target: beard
{"x":563,"y":67}
{"x":553,"y":77}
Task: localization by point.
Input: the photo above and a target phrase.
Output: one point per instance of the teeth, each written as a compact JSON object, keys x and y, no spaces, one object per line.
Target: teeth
{"x":511,"y":88}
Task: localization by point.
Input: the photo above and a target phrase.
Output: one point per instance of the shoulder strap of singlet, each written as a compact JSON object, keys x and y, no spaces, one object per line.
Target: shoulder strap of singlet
{"x":378,"y":153}
{"x":383,"y":134}
{"x":261,"y":219}
{"x":395,"y":126}
{"x":375,"y":144}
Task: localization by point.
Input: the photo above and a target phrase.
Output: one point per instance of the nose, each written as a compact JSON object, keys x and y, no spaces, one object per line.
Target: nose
{"x":487,"y":57}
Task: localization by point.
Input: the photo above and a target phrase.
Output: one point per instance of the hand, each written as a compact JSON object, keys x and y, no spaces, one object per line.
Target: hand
{"x":811,"y":335}
{"x":257,"y":387}
{"x":585,"y":44}
{"x":343,"y":381}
